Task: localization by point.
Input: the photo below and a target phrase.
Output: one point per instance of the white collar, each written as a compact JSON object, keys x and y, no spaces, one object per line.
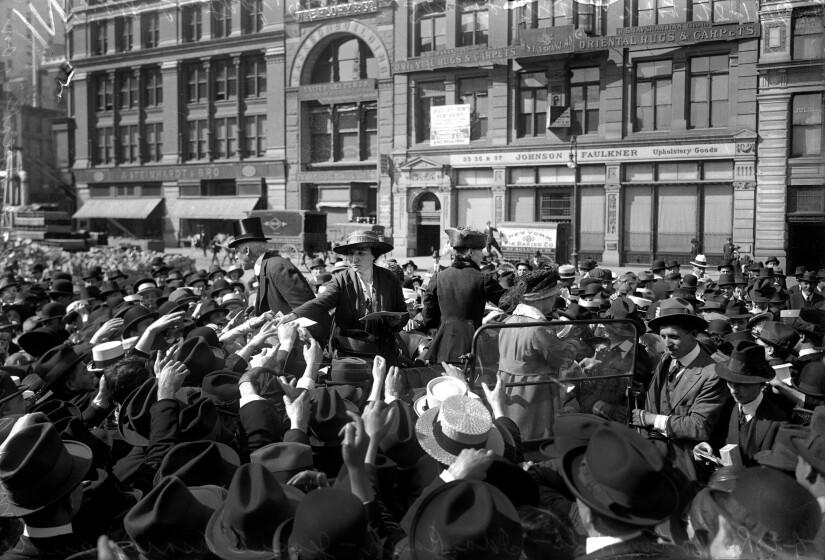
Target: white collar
{"x":690,"y":357}
{"x":808,"y":351}
{"x":524,"y":310}
{"x":46,"y":532}
{"x":821,"y":501}
{"x":597,"y":543}
{"x":256,"y":268}
{"x":750,"y":408}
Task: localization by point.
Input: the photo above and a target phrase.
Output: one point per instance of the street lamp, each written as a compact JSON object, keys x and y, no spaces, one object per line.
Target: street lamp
{"x":573,"y":163}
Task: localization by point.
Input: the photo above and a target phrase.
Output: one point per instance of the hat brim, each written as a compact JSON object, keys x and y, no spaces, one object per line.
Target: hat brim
{"x":689,"y":322}
{"x":799,"y":444}
{"x":81,"y":463}
{"x":420,"y":404}
{"x":806,"y":391}
{"x":380,"y":246}
{"x":245,"y":238}
{"x":424,"y":434}
{"x":668,"y":500}
{"x":731,"y":376}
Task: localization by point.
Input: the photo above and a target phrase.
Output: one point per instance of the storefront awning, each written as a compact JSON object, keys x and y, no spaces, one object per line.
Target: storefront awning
{"x":118,"y":208}
{"x":212,"y":208}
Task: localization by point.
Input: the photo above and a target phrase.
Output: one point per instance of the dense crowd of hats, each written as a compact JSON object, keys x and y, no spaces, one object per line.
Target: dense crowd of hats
{"x":148,"y":402}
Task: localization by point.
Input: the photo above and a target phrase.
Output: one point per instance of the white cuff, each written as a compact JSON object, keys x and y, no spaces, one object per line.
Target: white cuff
{"x":660,"y":423}
{"x":446,"y":476}
{"x":250,"y":398}
{"x":305,"y":383}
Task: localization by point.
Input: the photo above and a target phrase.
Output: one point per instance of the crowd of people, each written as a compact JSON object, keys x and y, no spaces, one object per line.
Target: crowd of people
{"x":370,"y":410}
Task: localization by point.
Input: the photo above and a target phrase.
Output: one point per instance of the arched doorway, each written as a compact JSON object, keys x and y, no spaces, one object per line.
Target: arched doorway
{"x":427,"y":210}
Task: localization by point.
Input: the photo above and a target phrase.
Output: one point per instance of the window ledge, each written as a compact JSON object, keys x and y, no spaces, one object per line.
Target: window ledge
{"x":345,"y":163}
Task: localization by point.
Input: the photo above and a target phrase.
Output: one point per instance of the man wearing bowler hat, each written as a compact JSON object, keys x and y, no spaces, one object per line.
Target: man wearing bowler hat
{"x":686,"y":398}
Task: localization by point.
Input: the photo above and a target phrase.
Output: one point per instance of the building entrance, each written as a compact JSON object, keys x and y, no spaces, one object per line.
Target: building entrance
{"x":805,"y":247}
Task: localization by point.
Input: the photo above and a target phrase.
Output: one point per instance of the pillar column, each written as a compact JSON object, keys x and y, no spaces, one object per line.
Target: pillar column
{"x":171,"y":116}
{"x":171,"y":221}
{"x":499,"y":190}
{"x":612,"y":216}
{"x":236,"y":63}
{"x":772,"y":173}
{"x":83,"y":130}
{"x":276,"y":102}
{"x":677,"y":93}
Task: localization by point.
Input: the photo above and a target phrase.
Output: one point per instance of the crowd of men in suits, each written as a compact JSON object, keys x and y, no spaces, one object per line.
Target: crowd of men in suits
{"x":367,"y":410}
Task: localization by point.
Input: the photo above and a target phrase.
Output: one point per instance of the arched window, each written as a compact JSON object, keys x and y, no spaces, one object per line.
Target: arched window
{"x":427,"y":202}
{"x":344,"y":60}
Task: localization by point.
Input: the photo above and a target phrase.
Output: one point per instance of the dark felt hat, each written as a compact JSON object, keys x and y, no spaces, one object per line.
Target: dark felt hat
{"x":57,"y":410}
{"x":169,"y":522}
{"x":55,"y":364}
{"x":747,"y":364}
{"x":8,"y":388}
{"x":107,"y":288}
{"x":466,"y":238}
{"x":74,"y":429}
{"x":38,"y":341}
{"x":199,"y":463}
{"x":134,"y":420}
{"x":811,"y":445}
{"x":736,"y":309}
{"x":811,"y":380}
{"x":317,"y":263}
{"x":363,"y":240}
{"x":588,"y":264}
{"x":214,"y":270}
{"x":218,"y":286}
{"x":61,"y":288}
{"x":465,"y":519}
{"x":199,"y":420}
{"x":329,"y":415}
{"x":37,"y":468}
{"x":620,"y":475}
{"x":779,"y":334}
{"x":725,"y":264}
{"x":808,"y":276}
{"x":132,"y":318}
{"x":576,"y":312}
{"x":658,"y":265}
{"x":197,"y":355}
{"x":799,"y":271}
{"x":284,"y":459}
{"x":726,"y":280}
{"x":677,"y":312}
{"x":208,"y":311}
{"x":255,"y":506}
{"x":50,"y":311}
{"x":221,"y":387}
{"x":350,"y":371}
{"x":252,"y":230}
{"x":570,"y":431}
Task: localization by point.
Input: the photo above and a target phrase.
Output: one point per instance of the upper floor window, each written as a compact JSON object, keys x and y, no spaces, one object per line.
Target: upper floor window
{"x":808,"y":37}
{"x":656,"y":12}
{"x":709,"y":91}
{"x":254,"y":135}
{"x":123,"y":34}
{"x":196,"y":90}
{"x":197,"y":139}
{"x":153,"y":143}
{"x":806,"y":125}
{"x":105,"y":145}
{"x":715,"y":11}
{"x":475,"y":24}
{"x":252,"y":16}
{"x":128,"y":145}
{"x":226,"y":80}
{"x":128,"y":90}
{"x":254,"y":75}
{"x":152,"y":87}
{"x":150,"y":27}
{"x":344,"y":60}
{"x":343,"y":132}
{"x":473,"y":91}
{"x":584,"y":100}
{"x":652,"y":98}
{"x":429,"y":94}
{"x":192,"y":23}
{"x":226,"y":137}
{"x":100,"y":38}
{"x":532,"y":109}
{"x":535,"y":14}
{"x":559,"y":12}
{"x":221,"y":18}
{"x":104,"y":92}
{"x":430,"y":26}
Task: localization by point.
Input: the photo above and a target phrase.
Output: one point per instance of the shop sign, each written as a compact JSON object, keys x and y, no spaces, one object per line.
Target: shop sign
{"x":450,"y":125}
{"x":527,"y":237}
{"x":565,"y":40}
{"x":559,"y":118}
{"x":176,"y":173}
{"x":339,"y":10}
{"x":670,"y":152}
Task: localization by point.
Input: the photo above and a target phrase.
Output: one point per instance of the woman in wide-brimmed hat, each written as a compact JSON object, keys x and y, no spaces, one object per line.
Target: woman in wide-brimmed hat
{"x":362,"y":290}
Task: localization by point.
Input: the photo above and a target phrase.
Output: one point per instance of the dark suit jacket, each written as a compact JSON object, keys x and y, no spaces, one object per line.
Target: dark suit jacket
{"x":759,"y":433}
{"x":694,"y":403}
{"x":52,"y":548}
{"x":659,"y":287}
{"x":796,"y":301}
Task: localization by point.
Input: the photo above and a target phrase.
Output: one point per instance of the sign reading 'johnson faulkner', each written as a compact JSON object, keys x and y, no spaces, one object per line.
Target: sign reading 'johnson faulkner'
{"x":564,"y":40}
{"x":338,"y":10}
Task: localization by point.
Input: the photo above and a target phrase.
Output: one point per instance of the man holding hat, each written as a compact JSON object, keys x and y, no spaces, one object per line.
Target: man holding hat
{"x":455,"y":299}
{"x":686,"y":398}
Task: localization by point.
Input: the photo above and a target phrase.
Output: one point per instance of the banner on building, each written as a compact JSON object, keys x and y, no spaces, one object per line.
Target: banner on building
{"x":528,"y":237}
{"x":449,"y":125}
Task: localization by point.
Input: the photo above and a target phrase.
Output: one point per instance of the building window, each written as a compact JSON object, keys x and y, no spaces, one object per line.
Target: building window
{"x":221,"y":18}
{"x":554,"y":205}
{"x":715,"y":11}
{"x":128,"y":90}
{"x":192,"y":23}
{"x":196,"y":90}
{"x":150,"y":26}
{"x":473,"y":91}
{"x":104,"y":142}
{"x":559,"y":12}
{"x":807,"y":125}
{"x":343,"y":132}
{"x":430,"y":94}
{"x":475,"y":22}
{"x":100,"y":39}
{"x":652,"y":99}
{"x":345,"y":60}
{"x":128,"y":145}
{"x":709,"y":91}
{"x":226,"y":80}
{"x":153,"y":147}
{"x":197,"y":140}
{"x":584,"y":100}
{"x":153,"y":87}
{"x":254,"y":74}
{"x":103,"y":92}
{"x":220,"y":187}
{"x":430,"y":26}
{"x":254,"y":135}
{"x":226,"y":137}
{"x":808,"y":37}
{"x":532,"y":110}
{"x":252,"y":16}
{"x":123,"y":34}
{"x":656,"y":12}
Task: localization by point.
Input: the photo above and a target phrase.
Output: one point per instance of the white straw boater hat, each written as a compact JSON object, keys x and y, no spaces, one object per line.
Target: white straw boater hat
{"x":438,"y":389}
{"x":106,"y":354}
{"x":461,"y":422}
